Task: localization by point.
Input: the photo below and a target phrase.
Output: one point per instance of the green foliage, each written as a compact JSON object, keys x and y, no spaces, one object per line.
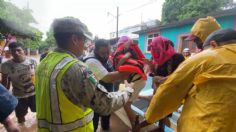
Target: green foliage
{"x":2,"y":8}
{"x":35,"y":42}
{"x":18,"y":21}
{"x":12,"y":13}
{"x":49,"y":42}
{"x":176,"y":10}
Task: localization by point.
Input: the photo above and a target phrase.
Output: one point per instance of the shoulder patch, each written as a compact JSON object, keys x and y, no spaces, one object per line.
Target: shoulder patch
{"x":92,"y":79}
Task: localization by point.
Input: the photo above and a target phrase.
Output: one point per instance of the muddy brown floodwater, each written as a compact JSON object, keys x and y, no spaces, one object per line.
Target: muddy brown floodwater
{"x":30,"y":124}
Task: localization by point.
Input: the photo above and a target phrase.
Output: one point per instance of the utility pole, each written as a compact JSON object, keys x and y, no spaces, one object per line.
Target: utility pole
{"x":117,"y":23}
{"x":28,"y":5}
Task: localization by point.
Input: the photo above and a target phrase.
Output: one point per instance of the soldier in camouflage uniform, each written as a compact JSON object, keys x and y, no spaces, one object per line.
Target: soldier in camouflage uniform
{"x":77,"y":83}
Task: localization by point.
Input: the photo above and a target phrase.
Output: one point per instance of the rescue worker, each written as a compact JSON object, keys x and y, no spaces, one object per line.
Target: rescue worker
{"x":67,"y":92}
{"x":102,"y":67}
{"x":207,"y":83}
{"x":201,"y":29}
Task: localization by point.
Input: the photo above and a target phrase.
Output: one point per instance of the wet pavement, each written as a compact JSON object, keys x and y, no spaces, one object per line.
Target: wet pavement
{"x":31,"y":124}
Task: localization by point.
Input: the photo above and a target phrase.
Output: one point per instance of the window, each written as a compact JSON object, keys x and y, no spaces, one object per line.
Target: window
{"x":183,"y":43}
{"x":149,"y":40}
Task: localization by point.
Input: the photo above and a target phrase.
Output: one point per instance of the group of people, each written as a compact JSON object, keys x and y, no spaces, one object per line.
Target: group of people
{"x":204,"y":84}
{"x":19,"y":72}
{"x":70,"y":92}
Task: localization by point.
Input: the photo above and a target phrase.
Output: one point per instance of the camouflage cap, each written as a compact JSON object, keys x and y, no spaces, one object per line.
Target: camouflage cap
{"x":70,"y":25}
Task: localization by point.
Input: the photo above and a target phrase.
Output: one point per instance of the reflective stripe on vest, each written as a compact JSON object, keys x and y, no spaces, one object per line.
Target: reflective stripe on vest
{"x":66,"y":127}
{"x":57,"y":124}
{"x":55,"y":111}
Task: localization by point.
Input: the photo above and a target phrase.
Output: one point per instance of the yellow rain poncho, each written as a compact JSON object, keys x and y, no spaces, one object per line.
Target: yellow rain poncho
{"x":207,"y":82}
{"x":205,"y":26}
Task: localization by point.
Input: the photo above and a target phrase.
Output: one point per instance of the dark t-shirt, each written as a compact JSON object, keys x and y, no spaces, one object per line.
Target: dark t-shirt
{"x":173,"y":62}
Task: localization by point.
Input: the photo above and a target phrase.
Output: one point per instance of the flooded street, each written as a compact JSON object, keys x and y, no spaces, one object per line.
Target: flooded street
{"x":116,"y":125}
{"x":29,"y":126}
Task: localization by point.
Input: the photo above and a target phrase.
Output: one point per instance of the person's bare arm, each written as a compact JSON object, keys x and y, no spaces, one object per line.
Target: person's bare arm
{"x":83,"y":89}
{"x":145,"y":97}
{"x":159,"y":79}
{"x":150,"y":64}
{"x":123,"y":59}
{"x":101,"y":72}
{"x":139,"y":126}
{"x":4,"y":74}
{"x":113,"y":76}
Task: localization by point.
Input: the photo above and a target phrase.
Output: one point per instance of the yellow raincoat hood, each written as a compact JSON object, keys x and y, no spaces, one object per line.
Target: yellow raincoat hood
{"x":207,"y":82}
{"x":205,"y":26}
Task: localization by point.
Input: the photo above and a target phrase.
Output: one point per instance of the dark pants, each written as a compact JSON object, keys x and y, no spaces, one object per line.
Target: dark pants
{"x":23,"y":105}
{"x":105,"y":122}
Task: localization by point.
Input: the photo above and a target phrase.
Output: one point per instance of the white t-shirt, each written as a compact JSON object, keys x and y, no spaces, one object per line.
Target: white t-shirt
{"x":21,"y":75}
{"x":97,"y":68}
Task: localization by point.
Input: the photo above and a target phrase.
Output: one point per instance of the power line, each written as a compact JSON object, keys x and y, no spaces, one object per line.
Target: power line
{"x":119,"y":14}
{"x":138,"y":7}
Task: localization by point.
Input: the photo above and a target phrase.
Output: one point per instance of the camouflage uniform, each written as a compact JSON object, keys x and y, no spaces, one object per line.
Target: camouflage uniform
{"x":80,"y":86}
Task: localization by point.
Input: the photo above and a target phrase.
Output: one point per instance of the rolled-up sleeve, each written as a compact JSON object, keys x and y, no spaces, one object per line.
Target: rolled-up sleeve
{"x":81,"y":87}
{"x":170,"y":94}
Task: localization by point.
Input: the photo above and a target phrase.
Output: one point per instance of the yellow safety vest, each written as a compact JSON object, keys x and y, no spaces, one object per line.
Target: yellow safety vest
{"x":55,"y":112}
